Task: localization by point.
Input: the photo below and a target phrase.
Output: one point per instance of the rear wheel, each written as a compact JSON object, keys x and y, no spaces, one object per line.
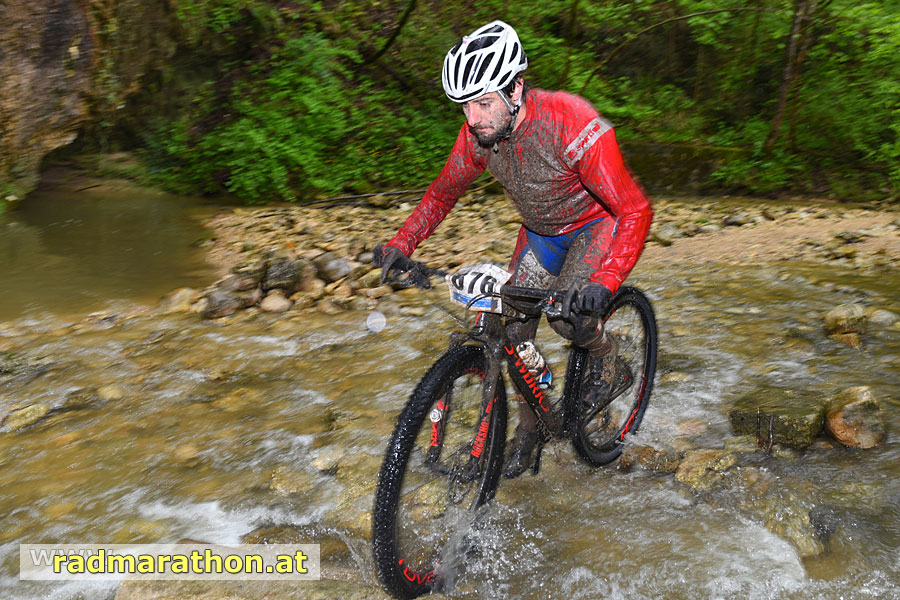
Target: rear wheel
{"x":602,"y":428}
{"x":442,"y":463}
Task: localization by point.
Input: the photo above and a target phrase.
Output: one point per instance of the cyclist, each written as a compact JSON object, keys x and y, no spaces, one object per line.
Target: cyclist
{"x":584,"y":219}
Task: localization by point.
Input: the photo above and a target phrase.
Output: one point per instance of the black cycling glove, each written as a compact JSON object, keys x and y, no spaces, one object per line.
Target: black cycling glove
{"x":390,"y":257}
{"x":591,"y":299}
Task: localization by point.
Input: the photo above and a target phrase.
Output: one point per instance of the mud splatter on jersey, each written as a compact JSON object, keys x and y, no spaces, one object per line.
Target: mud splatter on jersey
{"x":561,"y":168}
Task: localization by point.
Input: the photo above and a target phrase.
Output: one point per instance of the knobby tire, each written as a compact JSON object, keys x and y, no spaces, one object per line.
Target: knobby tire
{"x":417,"y":500}
{"x":601,"y":431}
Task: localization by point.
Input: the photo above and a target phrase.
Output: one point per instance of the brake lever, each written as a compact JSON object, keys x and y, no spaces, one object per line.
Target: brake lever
{"x":551,"y":306}
{"x":415,"y":277}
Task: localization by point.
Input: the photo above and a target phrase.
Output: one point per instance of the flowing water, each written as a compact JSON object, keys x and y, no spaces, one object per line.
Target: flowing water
{"x":163,"y":427}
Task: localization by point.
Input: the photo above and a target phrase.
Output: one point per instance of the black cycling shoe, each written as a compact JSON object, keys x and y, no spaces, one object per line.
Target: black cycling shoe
{"x":608,"y":377}
{"x":522,"y":455}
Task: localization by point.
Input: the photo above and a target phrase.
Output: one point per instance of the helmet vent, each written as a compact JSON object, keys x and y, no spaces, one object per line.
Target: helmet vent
{"x":483,"y":62}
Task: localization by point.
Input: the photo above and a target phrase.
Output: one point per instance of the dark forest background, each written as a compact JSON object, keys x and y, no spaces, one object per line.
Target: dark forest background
{"x":280,"y":100}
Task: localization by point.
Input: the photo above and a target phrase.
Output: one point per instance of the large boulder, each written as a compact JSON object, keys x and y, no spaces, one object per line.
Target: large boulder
{"x":854,"y":418}
{"x":793,"y":419}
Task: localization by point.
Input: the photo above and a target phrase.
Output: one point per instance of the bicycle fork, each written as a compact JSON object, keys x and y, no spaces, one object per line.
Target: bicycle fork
{"x":440,"y":415}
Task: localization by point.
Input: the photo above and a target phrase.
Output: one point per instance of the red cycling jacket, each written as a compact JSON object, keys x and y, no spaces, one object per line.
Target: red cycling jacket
{"x":561,"y":168}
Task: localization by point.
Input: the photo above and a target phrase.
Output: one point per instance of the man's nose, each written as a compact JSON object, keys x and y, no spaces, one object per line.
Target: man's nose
{"x":474,"y":116}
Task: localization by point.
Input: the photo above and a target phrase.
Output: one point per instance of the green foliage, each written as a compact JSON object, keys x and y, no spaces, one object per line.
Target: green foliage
{"x":296,"y":109}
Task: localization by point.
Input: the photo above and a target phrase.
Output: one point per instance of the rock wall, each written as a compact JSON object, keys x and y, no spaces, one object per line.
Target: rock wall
{"x":65,"y":64}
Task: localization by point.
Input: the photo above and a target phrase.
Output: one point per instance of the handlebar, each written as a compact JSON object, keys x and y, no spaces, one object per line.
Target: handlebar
{"x":545,"y":301}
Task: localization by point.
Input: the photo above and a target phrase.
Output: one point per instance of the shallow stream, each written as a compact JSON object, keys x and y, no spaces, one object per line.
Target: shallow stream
{"x":165,"y":427}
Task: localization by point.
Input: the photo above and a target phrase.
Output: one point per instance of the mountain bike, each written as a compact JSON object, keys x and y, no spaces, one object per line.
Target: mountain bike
{"x":444,"y":458}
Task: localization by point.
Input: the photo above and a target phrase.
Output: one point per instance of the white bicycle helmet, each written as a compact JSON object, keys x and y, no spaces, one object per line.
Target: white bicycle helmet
{"x":485,"y":61}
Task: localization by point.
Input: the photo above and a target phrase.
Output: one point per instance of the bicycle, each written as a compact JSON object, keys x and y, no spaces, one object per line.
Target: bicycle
{"x":436,"y":477}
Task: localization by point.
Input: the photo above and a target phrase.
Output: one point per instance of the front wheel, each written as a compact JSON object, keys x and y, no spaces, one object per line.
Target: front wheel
{"x":602,"y":429}
{"x":442,"y":463}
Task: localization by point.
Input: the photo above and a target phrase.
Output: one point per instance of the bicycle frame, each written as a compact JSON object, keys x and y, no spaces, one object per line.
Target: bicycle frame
{"x":490,"y":333}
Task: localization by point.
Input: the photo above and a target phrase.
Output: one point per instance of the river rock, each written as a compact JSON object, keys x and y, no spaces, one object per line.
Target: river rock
{"x":288,"y":482}
{"x":237,"y":282}
{"x":795,"y":420}
{"x":676,"y":377}
{"x":651,"y":459}
{"x":180,"y":300}
{"x":883,"y":317}
{"x":285,"y":274}
{"x":110,"y":393}
{"x":854,"y":418}
{"x":737,"y":220}
{"x":237,"y":400}
{"x":331,"y":267}
{"x":81,"y":399}
{"x":665,"y":234}
{"x":275,"y":302}
{"x":186,"y":455}
{"x":846,"y":318}
{"x":700,"y":469}
{"x":221,"y":303}
{"x":372,"y":279}
{"x":24,"y":417}
{"x":253,"y":269}
{"x":16,"y":369}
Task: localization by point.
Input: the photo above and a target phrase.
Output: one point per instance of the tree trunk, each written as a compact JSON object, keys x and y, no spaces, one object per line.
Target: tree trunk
{"x":803,"y":11}
{"x":573,"y":17}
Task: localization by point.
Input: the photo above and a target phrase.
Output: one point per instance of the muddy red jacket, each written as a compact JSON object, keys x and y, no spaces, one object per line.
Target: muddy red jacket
{"x":561,"y":168}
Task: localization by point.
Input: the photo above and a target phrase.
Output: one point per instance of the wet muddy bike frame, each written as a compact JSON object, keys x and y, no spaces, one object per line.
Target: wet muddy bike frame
{"x":444,"y":459}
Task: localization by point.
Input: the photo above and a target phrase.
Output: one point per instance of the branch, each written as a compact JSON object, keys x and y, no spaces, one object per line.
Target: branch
{"x":390,"y":41}
{"x":660,"y":24}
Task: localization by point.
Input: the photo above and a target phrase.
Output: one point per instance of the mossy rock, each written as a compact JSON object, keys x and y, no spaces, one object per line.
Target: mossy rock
{"x":794,"y":419}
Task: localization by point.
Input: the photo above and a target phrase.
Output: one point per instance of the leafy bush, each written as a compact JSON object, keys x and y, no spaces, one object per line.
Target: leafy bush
{"x":298,"y":109}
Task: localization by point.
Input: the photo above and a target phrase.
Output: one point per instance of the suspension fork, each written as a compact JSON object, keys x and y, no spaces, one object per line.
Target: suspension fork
{"x":488,"y":331}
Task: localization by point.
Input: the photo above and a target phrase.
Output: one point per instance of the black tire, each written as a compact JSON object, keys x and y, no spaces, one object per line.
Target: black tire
{"x":422,"y":510}
{"x":601,"y":432}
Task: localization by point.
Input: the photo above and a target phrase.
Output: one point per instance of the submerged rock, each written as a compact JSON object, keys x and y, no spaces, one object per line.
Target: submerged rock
{"x":883,"y":317}
{"x":846,"y":318}
{"x":16,"y":369}
{"x":854,"y":418}
{"x":700,"y":469}
{"x":288,"y":482}
{"x":651,"y":459}
{"x":793,"y":420}
{"x":24,"y":417}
